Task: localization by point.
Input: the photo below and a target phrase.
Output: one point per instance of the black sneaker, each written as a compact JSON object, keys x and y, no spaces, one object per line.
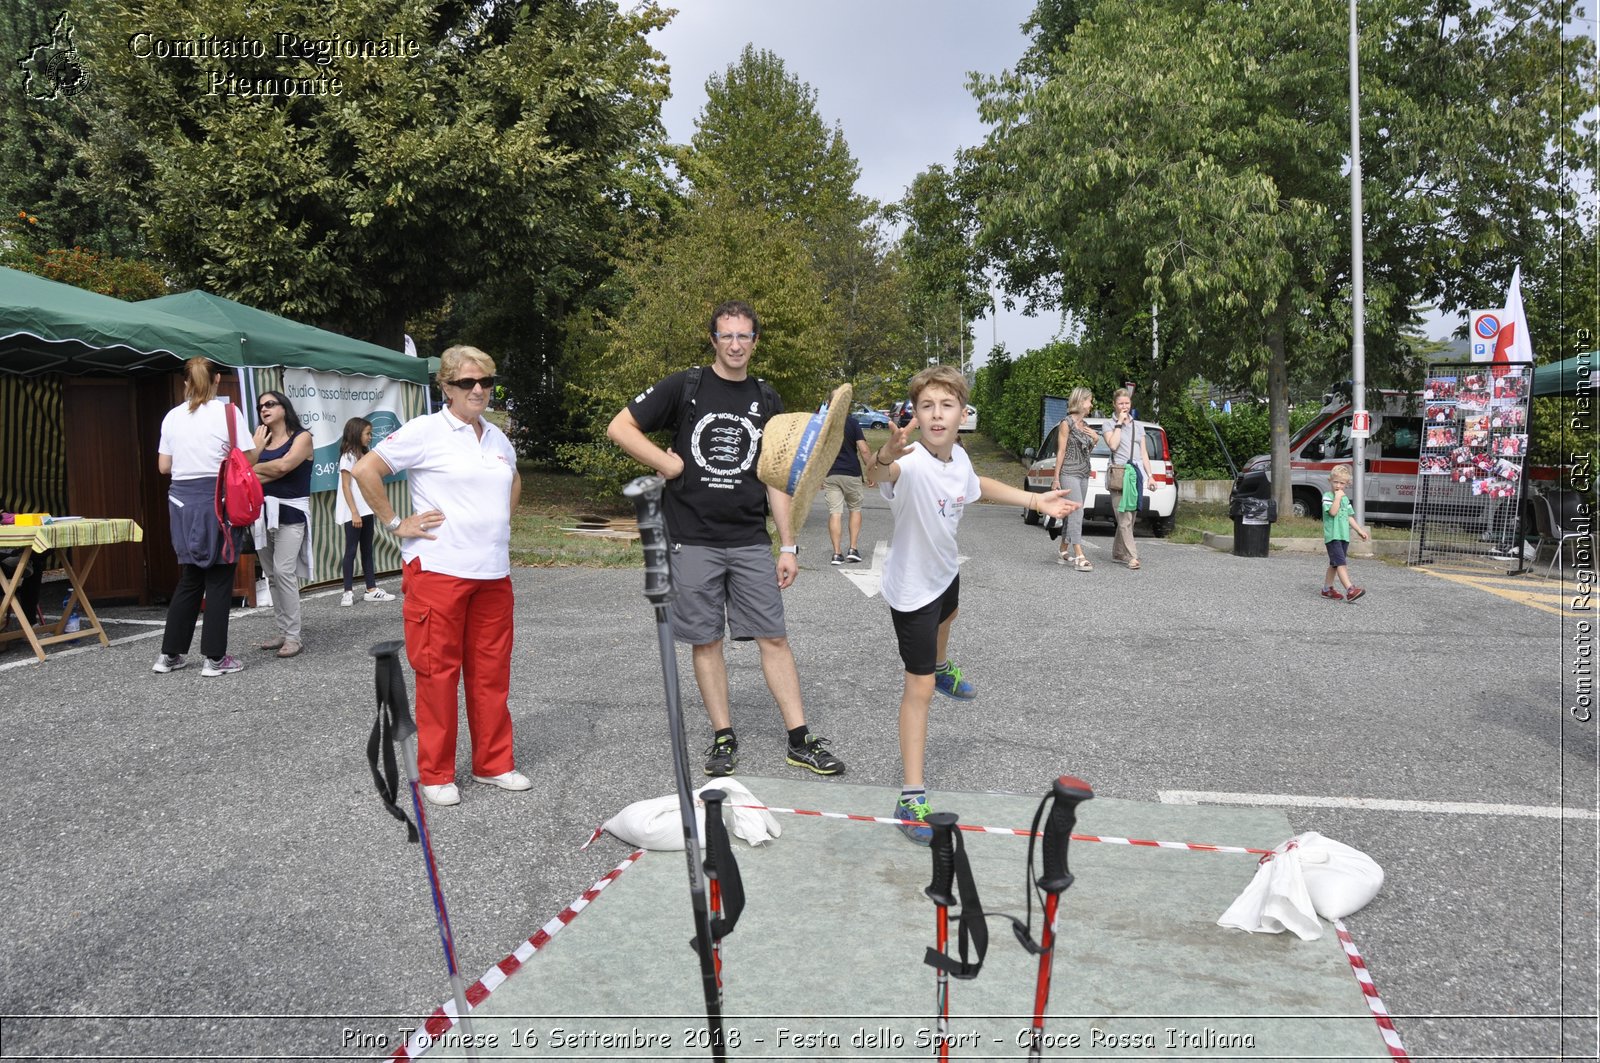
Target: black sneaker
{"x":722,"y":756}
{"x":812,"y":755}
{"x":854,"y":556}
{"x":838,"y":559}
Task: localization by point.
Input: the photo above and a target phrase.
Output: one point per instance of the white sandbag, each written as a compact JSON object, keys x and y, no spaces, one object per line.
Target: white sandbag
{"x":1306,"y":876}
{"x":1340,"y":879}
{"x":657,"y":824}
{"x":1276,"y":899}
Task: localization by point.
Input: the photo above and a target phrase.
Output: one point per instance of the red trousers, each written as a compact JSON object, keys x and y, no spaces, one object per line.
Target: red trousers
{"x":459,"y":629}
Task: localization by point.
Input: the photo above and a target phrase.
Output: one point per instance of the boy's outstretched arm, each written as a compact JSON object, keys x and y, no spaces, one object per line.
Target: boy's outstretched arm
{"x":1050,"y":503}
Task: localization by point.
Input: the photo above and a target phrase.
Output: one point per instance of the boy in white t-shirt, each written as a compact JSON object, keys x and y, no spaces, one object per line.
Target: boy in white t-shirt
{"x":928,"y":484}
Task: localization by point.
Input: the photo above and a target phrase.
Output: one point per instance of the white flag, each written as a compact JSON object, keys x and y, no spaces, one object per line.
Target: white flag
{"x":1513,"y":344}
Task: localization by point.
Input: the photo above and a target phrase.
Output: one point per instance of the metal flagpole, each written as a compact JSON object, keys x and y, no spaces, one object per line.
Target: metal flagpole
{"x":1358,"y":298}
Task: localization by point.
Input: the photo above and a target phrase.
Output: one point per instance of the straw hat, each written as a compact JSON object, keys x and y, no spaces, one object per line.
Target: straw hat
{"x":798,"y":449}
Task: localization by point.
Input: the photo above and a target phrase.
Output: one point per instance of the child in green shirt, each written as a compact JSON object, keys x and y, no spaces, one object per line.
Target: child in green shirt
{"x":1336,"y":525}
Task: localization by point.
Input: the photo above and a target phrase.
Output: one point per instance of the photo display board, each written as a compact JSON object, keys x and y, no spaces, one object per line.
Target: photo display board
{"x":1471,"y":468}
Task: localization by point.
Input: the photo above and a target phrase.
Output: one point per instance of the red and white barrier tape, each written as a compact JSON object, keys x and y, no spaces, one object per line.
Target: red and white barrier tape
{"x":1014,"y":831}
{"x":1391,"y":1037}
{"x":444,"y":1017}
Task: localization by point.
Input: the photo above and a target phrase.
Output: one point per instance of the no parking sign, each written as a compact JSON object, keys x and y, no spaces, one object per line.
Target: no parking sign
{"x":1483,"y":332}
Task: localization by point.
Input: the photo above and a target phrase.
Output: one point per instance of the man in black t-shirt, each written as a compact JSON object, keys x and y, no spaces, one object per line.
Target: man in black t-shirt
{"x":844,"y":490}
{"x":715,"y":507}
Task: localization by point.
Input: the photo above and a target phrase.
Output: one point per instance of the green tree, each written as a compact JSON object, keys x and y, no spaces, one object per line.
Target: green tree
{"x":716,"y":249}
{"x":41,"y":172}
{"x":1194,"y":155}
{"x":761,"y":140}
{"x":944,"y":275}
{"x":353,"y":192}
{"x":760,"y":134}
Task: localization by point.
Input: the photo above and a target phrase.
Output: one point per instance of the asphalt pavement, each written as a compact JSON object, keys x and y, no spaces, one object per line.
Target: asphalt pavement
{"x":200,"y":867}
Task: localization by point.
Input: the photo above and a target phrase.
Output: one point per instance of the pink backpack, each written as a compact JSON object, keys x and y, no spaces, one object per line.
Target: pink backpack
{"x":239,"y":497}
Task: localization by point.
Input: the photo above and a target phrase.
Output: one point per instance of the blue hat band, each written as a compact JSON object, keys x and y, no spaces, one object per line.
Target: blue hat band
{"x":808,"y":443}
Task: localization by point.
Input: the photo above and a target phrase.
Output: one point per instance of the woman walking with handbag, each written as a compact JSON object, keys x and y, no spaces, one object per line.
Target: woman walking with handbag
{"x":1127,"y":476}
{"x":1074,"y":440}
{"x":195,"y":439}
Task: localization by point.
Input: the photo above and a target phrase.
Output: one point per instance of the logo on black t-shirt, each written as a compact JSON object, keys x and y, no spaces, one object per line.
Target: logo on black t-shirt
{"x":724,"y":444}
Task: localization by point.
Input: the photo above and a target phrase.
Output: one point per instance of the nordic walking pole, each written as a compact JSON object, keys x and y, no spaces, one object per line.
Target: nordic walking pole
{"x":1068,"y":791}
{"x":646,"y":495}
{"x":938,"y":891}
{"x":393,"y":702}
{"x":712,"y":800}
{"x":725,"y":886}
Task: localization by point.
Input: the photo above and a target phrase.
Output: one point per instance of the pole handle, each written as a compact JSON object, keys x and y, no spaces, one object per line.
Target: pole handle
{"x":944,"y":859}
{"x":1068,"y":791}
{"x":646,"y":495}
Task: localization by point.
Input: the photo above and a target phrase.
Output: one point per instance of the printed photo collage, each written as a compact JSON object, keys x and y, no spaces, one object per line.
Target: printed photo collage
{"x":1475,"y":427}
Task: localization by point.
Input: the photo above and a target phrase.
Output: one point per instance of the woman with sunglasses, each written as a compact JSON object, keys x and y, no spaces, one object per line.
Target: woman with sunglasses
{"x":283,"y":534}
{"x":456,"y":545}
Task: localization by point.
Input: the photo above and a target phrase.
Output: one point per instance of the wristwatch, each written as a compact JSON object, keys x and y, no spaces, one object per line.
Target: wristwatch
{"x":394,"y":523}
{"x":790,"y":550}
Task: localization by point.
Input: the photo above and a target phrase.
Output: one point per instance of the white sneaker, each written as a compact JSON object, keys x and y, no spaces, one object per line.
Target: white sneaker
{"x":169,"y":662}
{"x":377,"y":594}
{"x":347,"y":598}
{"x":443,"y":794}
{"x":224,"y":665}
{"x":511,"y":780}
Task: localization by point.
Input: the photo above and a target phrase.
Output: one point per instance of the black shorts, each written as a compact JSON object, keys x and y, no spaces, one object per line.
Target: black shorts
{"x":918,"y":630}
{"x":1336,"y":551}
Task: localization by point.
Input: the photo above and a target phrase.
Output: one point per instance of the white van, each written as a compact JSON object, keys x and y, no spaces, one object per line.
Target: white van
{"x":1161,"y":514}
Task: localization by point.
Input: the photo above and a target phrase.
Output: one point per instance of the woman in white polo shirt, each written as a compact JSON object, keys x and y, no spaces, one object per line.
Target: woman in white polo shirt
{"x":456,"y":545}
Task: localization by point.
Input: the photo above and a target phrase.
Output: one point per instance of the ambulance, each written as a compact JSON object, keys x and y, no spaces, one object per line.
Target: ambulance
{"x":1393,"y":450}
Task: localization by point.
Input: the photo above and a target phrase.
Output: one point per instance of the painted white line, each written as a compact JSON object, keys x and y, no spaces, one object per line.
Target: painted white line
{"x":1374,"y":804}
{"x":868,"y":581}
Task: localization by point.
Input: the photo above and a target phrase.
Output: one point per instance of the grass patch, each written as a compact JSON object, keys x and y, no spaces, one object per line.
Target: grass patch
{"x":553,"y":500}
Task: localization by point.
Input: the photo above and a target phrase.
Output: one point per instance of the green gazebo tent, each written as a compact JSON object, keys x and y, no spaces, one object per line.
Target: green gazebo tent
{"x":1563,"y":378}
{"x":267,"y":339}
{"x":48,"y":327}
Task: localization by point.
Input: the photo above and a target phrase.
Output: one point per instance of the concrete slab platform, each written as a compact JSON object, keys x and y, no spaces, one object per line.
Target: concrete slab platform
{"x":827,"y":960}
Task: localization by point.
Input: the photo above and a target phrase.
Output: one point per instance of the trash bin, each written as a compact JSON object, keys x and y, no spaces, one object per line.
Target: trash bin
{"x":1253,"y":510}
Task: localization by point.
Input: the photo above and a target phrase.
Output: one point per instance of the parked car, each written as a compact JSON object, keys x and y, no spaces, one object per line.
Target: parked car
{"x":867,"y":417}
{"x":1163,"y":503}
{"x":969,"y":423}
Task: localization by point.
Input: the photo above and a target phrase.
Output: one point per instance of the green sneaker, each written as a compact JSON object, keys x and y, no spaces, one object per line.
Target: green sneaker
{"x":913,"y":817}
{"x":722,"y":756}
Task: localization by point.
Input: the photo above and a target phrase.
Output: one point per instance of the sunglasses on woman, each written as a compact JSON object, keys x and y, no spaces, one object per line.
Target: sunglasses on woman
{"x":467,"y":383}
